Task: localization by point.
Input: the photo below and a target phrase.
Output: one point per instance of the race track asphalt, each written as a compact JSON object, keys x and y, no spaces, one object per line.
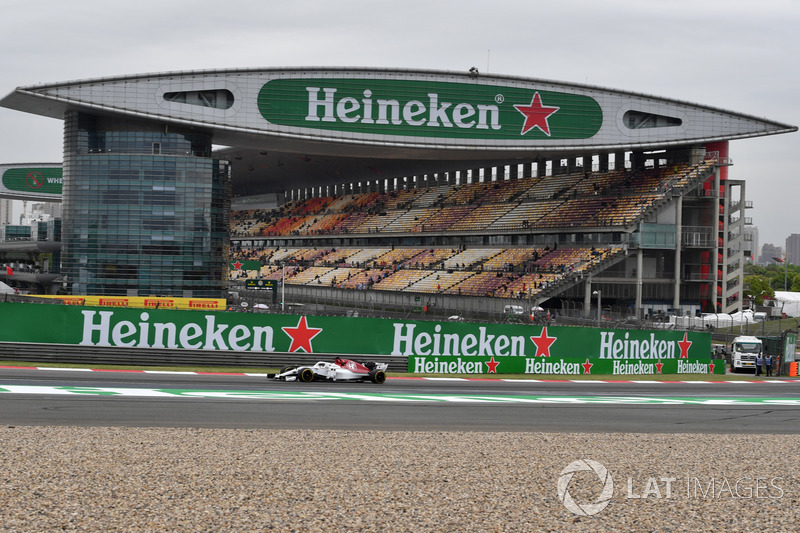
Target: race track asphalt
{"x":45,"y":397}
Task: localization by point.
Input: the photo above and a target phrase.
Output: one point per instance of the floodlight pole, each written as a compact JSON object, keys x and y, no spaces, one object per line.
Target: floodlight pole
{"x":785,"y":272}
{"x":283,"y":285}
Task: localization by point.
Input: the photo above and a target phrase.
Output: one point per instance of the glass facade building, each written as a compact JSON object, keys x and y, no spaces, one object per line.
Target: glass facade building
{"x":145,"y":210}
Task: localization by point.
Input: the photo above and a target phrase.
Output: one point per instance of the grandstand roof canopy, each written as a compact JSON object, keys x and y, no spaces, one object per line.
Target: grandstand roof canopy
{"x":303,"y":127}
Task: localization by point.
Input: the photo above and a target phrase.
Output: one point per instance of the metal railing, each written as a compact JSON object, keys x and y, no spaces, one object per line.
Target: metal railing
{"x":93,"y":355}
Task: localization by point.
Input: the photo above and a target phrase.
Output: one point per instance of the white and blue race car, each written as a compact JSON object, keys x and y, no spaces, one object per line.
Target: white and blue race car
{"x":339,"y":370}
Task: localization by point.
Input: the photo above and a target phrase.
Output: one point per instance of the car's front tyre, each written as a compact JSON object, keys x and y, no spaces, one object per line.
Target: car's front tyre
{"x":306,"y":375}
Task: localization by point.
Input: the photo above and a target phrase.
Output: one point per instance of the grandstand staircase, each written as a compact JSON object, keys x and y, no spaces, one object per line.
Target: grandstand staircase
{"x":576,"y":278}
{"x":677,"y":186}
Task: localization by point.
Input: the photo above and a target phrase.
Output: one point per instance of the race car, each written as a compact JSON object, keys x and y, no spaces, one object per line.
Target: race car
{"x":339,"y":370}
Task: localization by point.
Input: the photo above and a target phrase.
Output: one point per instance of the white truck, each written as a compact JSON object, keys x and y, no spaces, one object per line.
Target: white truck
{"x":744,"y":350}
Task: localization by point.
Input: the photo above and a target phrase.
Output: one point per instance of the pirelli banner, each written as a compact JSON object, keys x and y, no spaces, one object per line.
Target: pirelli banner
{"x":431,"y":347}
{"x":149,"y":302}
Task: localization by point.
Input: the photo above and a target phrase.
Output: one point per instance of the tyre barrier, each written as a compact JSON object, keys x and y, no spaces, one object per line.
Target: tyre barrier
{"x":96,"y":355}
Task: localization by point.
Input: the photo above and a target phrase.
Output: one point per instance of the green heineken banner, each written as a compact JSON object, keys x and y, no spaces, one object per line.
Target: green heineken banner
{"x":524,"y":349}
{"x":431,"y":347}
{"x":435,"y":109}
{"x":247,"y":264}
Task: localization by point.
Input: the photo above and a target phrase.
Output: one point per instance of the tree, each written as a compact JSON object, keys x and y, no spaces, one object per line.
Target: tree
{"x":758,"y":288}
{"x":776,"y":273}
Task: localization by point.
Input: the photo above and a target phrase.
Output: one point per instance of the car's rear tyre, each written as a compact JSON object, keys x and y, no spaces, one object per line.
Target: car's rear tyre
{"x":377,"y":376}
{"x":306,"y":375}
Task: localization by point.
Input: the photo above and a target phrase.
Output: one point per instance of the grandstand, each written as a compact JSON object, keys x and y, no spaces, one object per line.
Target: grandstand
{"x":403,"y":187}
{"x":549,"y":234}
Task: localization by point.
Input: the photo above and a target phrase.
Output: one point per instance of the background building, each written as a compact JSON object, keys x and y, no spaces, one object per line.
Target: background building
{"x":793,"y":249}
{"x":768,"y":254}
{"x":751,"y":244}
{"x":6,"y":212}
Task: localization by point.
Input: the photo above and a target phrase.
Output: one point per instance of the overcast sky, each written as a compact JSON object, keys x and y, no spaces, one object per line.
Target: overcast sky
{"x":738,"y":55}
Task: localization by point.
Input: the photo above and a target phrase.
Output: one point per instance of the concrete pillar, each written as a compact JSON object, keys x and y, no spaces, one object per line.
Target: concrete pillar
{"x":637,"y":160}
{"x":676,"y":297}
{"x":619,"y":160}
{"x":586,"y":161}
{"x":602,"y":163}
{"x":721,"y":201}
{"x":587,"y":298}
{"x":639,"y":263}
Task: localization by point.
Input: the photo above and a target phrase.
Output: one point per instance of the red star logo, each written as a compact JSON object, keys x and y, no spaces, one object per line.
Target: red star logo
{"x":536,"y":115}
{"x":685,"y":344}
{"x":710,"y":368}
{"x":587,"y":366}
{"x":492,"y":364}
{"x":659,"y":366}
{"x":543,"y":343}
{"x":237,"y":265}
{"x":301,"y":336}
